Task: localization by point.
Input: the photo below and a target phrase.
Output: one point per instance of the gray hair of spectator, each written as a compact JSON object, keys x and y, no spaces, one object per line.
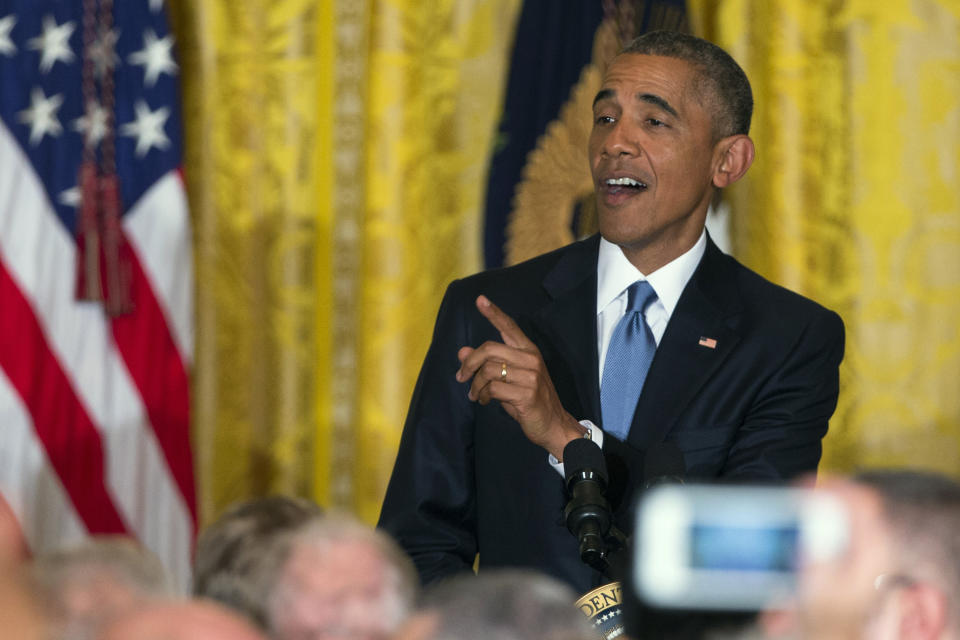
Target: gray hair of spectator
{"x":922,"y":509}
{"x":721,"y":83}
{"x":506,"y":604}
{"x":230,"y":565}
{"x":86,"y":585}
{"x":402,"y":585}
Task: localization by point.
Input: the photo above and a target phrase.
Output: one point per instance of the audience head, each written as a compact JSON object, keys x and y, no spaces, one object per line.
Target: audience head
{"x":89,"y":584}
{"x":900,"y":577}
{"x":338,"y":578}
{"x":181,"y":621}
{"x":13,"y":547}
{"x":509,"y":604}
{"x":920,"y":592}
{"x":230,"y":565}
{"x":21,"y":614}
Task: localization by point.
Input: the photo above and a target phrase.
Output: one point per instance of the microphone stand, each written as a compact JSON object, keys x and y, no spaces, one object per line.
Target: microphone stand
{"x":587,"y":513}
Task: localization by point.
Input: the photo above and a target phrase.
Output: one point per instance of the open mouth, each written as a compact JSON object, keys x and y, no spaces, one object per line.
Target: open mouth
{"x":623,"y":186}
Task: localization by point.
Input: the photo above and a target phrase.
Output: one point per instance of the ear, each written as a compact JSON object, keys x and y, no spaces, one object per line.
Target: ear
{"x":923,"y":612}
{"x":734,"y":156}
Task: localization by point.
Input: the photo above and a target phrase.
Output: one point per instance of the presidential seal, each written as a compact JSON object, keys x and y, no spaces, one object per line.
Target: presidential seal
{"x":604,"y":607}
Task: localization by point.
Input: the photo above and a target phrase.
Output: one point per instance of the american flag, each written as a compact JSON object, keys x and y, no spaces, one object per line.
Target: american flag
{"x":94,"y":395}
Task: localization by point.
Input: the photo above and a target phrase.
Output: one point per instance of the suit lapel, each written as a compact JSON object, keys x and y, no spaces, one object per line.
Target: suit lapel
{"x":568,"y":323}
{"x":707,"y":309}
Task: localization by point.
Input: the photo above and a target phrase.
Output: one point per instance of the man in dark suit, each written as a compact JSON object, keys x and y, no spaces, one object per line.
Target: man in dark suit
{"x":643,"y":335}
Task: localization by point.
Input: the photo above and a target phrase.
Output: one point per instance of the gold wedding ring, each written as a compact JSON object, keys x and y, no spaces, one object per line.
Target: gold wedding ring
{"x":503,"y":372}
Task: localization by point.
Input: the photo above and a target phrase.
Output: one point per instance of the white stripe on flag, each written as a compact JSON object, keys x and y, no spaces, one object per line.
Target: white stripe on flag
{"x":30,"y":486}
{"x":140,"y":479}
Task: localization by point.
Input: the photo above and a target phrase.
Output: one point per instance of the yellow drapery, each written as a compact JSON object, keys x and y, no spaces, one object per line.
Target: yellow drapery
{"x":854,"y":200}
{"x":335,"y":152}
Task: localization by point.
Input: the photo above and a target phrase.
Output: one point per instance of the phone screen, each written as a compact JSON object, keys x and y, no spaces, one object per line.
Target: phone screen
{"x":738,"y":548}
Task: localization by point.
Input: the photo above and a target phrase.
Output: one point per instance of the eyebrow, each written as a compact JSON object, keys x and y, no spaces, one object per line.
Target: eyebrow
{"x":603,"y":94}
{"x":650,"y":98}
{"x":658,"y":101}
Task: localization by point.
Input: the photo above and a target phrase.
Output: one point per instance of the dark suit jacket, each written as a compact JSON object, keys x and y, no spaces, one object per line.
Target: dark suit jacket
{"x":756,"y":406}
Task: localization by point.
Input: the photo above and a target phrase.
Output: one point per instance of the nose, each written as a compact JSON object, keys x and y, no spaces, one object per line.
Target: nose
{"x":620,"y":140}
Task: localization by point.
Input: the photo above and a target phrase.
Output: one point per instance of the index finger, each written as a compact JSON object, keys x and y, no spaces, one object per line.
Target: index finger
{"x":509,"y":331}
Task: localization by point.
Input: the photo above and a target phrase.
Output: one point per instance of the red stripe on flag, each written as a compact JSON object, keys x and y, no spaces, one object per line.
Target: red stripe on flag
{"x":147,"y":347}
{"x":71,"y":440}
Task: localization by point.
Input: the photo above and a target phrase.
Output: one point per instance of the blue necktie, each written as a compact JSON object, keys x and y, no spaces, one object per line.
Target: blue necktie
{"x":629,"y":355}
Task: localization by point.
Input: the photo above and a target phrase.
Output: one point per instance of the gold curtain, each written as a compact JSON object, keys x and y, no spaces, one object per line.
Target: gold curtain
{"x":854,"y":200}
{"x":335,"y":152}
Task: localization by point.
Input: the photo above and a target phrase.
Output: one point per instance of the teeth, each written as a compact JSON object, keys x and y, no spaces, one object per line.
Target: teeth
{"x":624,"y":182}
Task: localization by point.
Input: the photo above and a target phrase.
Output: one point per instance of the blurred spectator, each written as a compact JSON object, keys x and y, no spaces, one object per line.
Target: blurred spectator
{"x":181,"y":621}
{"x":21,"y":616}
{"x":229,"y":563}
{"x":87,"y":585}
{"x":13,"y":546}
{"x":339,"y":578}
{"x":900,"y":577}
{"x":509,"y":604}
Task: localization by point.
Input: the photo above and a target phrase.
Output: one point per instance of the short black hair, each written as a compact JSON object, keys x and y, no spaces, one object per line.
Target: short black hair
{"x":719,"y":76}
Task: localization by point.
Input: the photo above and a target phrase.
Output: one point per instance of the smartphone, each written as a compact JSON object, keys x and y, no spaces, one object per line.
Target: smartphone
{"x":710,"y":547}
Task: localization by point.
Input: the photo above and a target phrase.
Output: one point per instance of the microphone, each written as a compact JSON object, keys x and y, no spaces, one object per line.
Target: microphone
{"x":587,"y":513}
{"x":663,"y":464}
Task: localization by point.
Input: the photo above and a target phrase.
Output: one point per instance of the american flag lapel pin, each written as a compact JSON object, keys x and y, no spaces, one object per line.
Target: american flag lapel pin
{"x":709,"y":343}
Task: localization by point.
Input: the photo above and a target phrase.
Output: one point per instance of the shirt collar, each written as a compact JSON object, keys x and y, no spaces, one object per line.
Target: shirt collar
{"x":615,"y":273}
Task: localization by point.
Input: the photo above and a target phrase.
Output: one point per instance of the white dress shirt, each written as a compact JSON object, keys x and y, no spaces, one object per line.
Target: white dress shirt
{"x":615,"y":274}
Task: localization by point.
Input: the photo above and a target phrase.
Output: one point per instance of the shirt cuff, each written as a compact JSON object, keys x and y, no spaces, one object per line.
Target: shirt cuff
{"x":594,"y":433}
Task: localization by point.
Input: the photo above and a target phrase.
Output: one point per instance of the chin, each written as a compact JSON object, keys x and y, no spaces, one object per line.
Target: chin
{"x":622,"y":235}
